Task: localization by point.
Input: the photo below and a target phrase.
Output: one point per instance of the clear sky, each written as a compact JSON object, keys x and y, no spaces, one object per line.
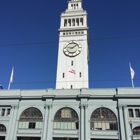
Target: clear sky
{"x":29,"y":42}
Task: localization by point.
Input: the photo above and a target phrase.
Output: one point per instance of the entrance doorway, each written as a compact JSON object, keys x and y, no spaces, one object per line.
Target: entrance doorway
{"x":104,"y":139}
{"x":2,"y":138}
{"x":28,"y":138}
{"x":65,"y":138}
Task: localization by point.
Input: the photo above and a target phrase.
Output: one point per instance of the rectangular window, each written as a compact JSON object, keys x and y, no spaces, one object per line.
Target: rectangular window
{"x":8,"y":112}
{"x":32,"y":125}
{"x":137,"y":112}
{"x":77,"y":21}
{"x":71,"y":86}
{"x":81,"y":21}
{"x":112,"y":126}
{"x":80,"y":74}
{"x":73,"y":22}
{"x":69,"y":22}
{"x":130,"y":112}
{"x":72,"y":63}
{"x":3,"y":112}
{"x":63,"y":75}
{"x":65,"y":22}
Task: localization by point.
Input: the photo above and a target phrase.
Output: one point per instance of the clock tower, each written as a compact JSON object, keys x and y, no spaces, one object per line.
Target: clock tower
{"x":72,"y":65}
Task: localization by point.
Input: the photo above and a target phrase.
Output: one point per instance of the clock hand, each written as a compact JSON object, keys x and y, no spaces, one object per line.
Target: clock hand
{"x":72,"y":47}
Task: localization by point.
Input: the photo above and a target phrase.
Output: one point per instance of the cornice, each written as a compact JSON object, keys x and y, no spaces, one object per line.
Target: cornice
{"x":73,"y":29}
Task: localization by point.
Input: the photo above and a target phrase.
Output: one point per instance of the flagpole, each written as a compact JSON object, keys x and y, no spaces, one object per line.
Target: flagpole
{"x":11,"y":78}
{"x":132,"y":83}
{"x":9,"y":85}
{"x":131,"y":75}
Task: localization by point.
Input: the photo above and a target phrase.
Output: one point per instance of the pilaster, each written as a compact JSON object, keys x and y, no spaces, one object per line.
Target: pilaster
{"x":15,"y":124}
{"x":49,"y":134}
{"x":10,"y":123}
{"x":0,"y":111}
{"x":121,"y":123}
{"x":87,"y":127}
{"x":45,"y":123}
{"x":82,"y":123}
{"x":127,"y":125}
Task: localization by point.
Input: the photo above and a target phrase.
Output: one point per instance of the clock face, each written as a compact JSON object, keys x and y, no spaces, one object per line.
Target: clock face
{"x":72,"y":48}
{"x":66,"y":113}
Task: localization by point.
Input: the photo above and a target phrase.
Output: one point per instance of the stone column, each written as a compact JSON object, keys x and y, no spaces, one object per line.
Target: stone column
{"x":82,"y":127}
{"x":121,"y":124}
{"x":49,"y":132}
{"x":15,"y":124}
{"x":45,"y":123}
{"x":87,"y":127}
{"x":80,"y":23}
{"x":127,"y":125}
{"x":10,"y":123}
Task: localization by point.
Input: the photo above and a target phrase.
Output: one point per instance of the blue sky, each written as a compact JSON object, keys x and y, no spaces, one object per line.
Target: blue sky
{"x":29,"y":42}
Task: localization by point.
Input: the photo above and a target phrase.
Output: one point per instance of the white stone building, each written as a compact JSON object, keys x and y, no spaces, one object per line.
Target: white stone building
{"x":72,"y":111}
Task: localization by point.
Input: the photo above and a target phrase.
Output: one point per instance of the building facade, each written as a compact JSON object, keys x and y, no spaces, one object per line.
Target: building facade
{"x":72,"y":111}
{"x":70,"y":114}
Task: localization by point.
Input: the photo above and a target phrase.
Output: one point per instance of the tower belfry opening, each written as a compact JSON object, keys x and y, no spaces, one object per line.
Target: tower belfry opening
{"x":73,"y":48}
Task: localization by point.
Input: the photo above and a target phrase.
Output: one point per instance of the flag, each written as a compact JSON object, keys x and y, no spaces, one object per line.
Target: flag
{"x":11,"y":78}
{"x":72,"y":71}
{"x":132,"y":72}
{"x":1,"y":86}
{"x":12,"y":74}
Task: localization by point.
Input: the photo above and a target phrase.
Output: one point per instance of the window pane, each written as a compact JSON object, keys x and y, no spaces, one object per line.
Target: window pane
{"x":8,"y":112}
{"x":3,"y":112}
{"x":26,"y":124}
{"x":2,"y":128}
{"x":103,"y":126}
{"x":20,"y":125}
{"x":131,"y":113}
{"x":103,"y":119}
{"x":32,"y":125}
{"x":66,"y":125}
{"x":55,"y":125}
{"x":37,"y":125}
{"x":136,"y":131}
{"x":69,"y":125}
{"x":67,"y":117}
{"x":73,"y":125}
{"x":62,"y":125}
{"x":58,"y":125}
{"x":137,"y":113}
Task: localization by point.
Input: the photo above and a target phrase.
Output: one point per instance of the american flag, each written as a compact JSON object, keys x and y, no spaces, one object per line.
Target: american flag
{"x":72,"y":71}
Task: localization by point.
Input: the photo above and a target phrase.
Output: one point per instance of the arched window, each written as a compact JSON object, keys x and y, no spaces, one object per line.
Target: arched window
{"x":103,"y":119}
{"x":2,"y":128}
{"x":136,"y":131}
{"x":31,"y":118}
{"x":66,"y":118}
